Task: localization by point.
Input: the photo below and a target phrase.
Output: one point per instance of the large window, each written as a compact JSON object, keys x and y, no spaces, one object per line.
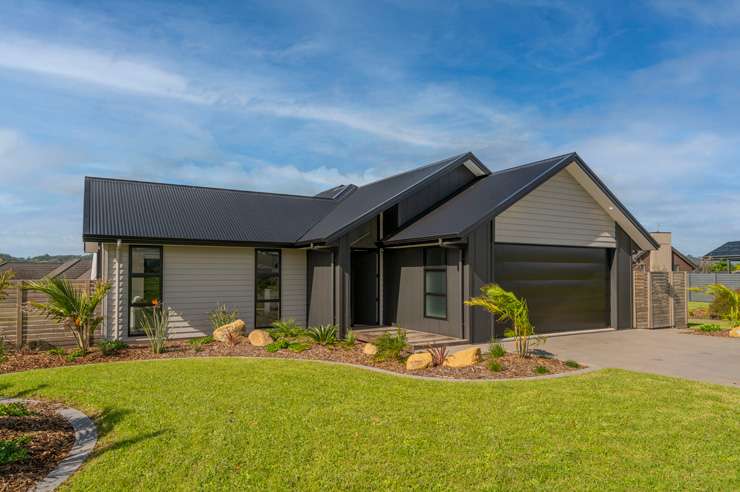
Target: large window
{"x":144,"y":284}
{"x":435,"y":283}
{"x":267,"y":287}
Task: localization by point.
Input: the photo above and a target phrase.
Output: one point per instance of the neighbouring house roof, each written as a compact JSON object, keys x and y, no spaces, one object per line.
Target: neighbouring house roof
{"x":493,"y":194}
{"x":371,"y":199}
{"x":78,"y":268}
{"x":729,"y":250}
{"x":136,"y":210}
{"x":684,"y":258}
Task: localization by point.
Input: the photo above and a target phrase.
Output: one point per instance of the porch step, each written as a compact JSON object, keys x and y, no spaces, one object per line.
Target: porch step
{"x":417,"y":340}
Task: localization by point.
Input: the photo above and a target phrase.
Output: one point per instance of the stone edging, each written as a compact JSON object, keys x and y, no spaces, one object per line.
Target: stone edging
{"x":86,"y":436}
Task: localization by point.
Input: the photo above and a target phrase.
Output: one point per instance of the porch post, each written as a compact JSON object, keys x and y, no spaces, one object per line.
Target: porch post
{"x":343,"y":272}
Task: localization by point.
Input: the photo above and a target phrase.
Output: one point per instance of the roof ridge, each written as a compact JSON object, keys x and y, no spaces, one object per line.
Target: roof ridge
{"x":521,"y":166}
{"x":215,"y":188}
{"x":450,"y":159}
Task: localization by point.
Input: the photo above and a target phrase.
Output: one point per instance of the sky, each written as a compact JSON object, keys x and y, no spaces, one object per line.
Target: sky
{"x":297,"y":97}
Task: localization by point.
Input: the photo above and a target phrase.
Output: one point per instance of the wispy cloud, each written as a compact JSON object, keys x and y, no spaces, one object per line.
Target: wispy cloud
{"x":711,"y":12}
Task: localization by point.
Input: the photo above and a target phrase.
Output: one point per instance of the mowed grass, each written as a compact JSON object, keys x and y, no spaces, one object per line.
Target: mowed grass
{"x":236,"y":424}
{"x":694,"y":322}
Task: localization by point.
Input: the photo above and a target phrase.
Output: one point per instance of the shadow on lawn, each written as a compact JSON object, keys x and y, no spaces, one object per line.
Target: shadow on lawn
{"x":106,"y":422}
{"x":21,"y":393}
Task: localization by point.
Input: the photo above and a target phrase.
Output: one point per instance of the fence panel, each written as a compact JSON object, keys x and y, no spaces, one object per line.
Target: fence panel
{"x":701,"y":280}
{"x":660,"y":299}
{"x":21,"y":325}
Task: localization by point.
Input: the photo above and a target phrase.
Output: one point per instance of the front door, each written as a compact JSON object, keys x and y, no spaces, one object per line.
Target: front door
{"x":364,"y":287}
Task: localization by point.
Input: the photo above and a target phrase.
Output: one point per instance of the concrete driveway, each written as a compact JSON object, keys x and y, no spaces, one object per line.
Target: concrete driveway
{"x":669,"y":352}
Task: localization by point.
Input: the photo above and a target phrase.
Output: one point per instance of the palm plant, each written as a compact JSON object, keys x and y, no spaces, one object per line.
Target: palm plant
{"x":729,"y":300}
{"x":73,"y":308}
{"x":506,"y":306}
{"x":323,"y":334}
{"x":5,"y":278}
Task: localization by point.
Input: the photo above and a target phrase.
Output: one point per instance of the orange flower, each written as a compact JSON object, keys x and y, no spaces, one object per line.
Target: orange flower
{"x":155,"y":302}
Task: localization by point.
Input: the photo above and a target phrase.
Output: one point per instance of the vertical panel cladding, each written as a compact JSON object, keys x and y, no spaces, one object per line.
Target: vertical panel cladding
{"x":404,"y":292}
{"x":293,"y":288}
{"x":197,"y":278}
{"x":480,"y":272}
{"x":558,"y":212}
{"x":319,"y":288}
{"x":433,"y":193}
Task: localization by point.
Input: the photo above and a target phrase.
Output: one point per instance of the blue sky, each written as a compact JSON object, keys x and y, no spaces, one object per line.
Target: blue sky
{"x":299,"y":96}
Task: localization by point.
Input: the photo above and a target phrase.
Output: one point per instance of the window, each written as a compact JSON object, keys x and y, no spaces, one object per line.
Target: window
{"x":267,"y":287}
{"x":144,"y":284}
{"x":435,"y":283}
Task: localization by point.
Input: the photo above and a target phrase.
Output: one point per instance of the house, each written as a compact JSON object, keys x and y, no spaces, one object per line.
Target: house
{"x":728,"y":253}
{"x":406,"y":250}
{"x":664,"y":259}
{"x":78,"y":268}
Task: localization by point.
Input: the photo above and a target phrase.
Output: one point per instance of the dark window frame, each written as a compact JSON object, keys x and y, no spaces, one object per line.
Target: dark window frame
{"x":279,"y":299}
{"x":131,"y":275}
{"x":434,"y":268}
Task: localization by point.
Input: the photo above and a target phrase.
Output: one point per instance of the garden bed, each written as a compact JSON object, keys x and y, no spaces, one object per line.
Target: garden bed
{"x":720,"y":333}
{"x":512,"y":366}
{"x":43,"y":439}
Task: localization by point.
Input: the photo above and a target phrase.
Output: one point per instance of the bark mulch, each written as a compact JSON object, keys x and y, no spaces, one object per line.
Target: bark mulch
{"x":512,"y":365}
{"x":722,"y":333}
{"x":52,"y":437}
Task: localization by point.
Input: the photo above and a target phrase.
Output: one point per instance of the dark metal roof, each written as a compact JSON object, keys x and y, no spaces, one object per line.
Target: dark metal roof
{"x":492,"y":195}
{"x":336,"y":192}
{"x":73,"y":269}
{"x":135,"y":210}
{"x":371,"y":199}
{"x":728,"y":250}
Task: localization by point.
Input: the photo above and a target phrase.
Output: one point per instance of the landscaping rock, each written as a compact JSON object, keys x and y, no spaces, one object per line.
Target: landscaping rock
{"x":236,"y":327}
{"x":369,"y":349}
{"x":735,"y":332}
{"x":463,"y":358}
{"x":259,"y":338}
{"x":419,"y":361}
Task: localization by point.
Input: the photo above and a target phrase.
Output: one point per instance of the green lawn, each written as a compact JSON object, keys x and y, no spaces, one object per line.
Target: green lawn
{"x":699,"y":321}
{"x":276,"y":424}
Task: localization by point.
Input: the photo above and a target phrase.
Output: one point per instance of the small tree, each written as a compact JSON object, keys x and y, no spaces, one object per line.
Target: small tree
{"x":73,"y":308}
{"x":5,"y":278}
{"x":506,"y":306}
{"x":727,"y":301}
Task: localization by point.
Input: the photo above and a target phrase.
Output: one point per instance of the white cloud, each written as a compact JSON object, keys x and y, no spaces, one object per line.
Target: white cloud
{"x":711,"y":12}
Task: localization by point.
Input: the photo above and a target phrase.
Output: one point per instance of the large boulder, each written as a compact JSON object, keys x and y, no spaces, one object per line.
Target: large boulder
{"x":418,"y":361}
{"x":735,"y":332}
{"x":221,"y":333}
{"x":369,"y":349}
{"x":463,"y":358}
{"x":259,"y":338}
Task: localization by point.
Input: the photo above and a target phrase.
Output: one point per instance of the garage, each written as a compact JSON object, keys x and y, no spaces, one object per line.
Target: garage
{"x":566,"y":288}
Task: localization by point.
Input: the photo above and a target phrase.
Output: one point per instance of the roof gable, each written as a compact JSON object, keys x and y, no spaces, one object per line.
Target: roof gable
{"x":372,"y":199}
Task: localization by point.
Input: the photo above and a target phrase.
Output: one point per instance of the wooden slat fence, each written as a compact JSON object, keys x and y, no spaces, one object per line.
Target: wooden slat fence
{"x":660,"y":299}
{"x":20,"y":325}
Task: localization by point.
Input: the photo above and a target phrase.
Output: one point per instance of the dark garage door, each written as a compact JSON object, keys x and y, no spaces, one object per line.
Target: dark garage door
{"x":566,"y":288}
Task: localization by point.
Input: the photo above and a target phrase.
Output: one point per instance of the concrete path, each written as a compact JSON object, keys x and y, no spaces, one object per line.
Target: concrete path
{"x":669,"y":352}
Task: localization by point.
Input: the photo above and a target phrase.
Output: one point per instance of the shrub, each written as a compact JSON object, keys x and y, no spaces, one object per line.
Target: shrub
{"x":323,"y":334}
{"x":709,"y":327}
{"x":286,"y":329}
{"x":506,"y":306}
{"x":156,"y":326}
{"x":3,"y":355}
{"x":726,"y":303}
{"x":350,"y":340}
{"x":221,"y":316}
{"x":572,"y":363}
{"x":110,"y":347}
{"x":74,"y":355}
{"x":58,"y":351}
{"x":298,"y":346}
{"x":232,"y":338}
{"x":541,"y":370}
{"x":390,"y":345}
{"x":74,"y":309}
{"x":496,"y":350}
{"x":439,"y":354}
{"x":199,"y":342}
{"x":15,"y":409}
{"x":495,"y":366}
{"x":279,"y":344}
{"x":12,"y":450}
